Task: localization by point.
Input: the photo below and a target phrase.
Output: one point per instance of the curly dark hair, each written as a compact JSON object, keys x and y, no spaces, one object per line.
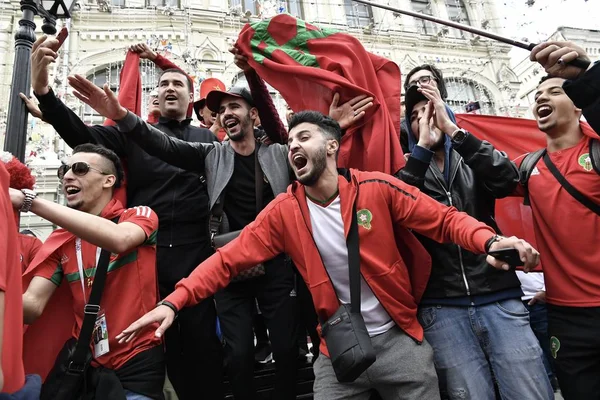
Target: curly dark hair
{"x":327,"y":125}
{"x":115,"y":166}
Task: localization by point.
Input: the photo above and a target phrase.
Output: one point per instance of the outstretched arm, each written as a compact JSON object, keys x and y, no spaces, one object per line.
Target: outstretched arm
{"x":68,"y":125}
{"x":116,"y":238}
{"x":415,"y":210}
{"x":182,"y":154}
{"x":258,"y":242}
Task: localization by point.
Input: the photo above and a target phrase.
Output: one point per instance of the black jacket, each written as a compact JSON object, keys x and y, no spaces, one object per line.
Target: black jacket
{"x":585,"y":93}
{"x":479,"y":174}
{"x":178,"y":197}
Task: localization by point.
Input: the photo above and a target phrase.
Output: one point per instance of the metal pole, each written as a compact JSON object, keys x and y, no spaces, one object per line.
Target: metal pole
{"x":579,"y":62}
{"x":16,"y":126}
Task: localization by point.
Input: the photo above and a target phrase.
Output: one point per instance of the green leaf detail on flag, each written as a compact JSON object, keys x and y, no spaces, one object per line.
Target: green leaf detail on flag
{"x":296,"y":48}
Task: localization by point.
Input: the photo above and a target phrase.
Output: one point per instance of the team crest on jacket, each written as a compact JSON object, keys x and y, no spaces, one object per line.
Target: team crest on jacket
{"x":364,"y":218}
{"x":585,"y":161}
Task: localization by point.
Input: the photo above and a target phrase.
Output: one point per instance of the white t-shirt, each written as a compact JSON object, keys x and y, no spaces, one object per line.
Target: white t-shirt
{"x":531,"y":283}
{"x":328,"y":232}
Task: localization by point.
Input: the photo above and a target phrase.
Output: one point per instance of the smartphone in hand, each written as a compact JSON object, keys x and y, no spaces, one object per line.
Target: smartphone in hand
{"x":61,"y":37}
{"x":509,"y":256}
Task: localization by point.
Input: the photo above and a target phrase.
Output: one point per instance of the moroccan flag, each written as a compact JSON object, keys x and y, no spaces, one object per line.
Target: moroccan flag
{"x":516,"y":137}
{"x":307,"y":65}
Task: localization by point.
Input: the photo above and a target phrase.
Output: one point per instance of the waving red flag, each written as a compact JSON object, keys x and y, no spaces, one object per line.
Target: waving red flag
{"x":307,"y":65}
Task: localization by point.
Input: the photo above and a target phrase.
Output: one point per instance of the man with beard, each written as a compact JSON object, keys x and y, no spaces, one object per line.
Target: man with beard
{"x":230,"y":169}
{"x":566,"y":229}
{"x":93,"y":220}
{"x":468,"y":307}
{"x":310,"y":222}
{"x":179,"y":198}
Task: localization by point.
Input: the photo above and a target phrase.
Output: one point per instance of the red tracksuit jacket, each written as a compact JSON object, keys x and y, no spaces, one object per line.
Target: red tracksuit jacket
{"x":393,"y":262}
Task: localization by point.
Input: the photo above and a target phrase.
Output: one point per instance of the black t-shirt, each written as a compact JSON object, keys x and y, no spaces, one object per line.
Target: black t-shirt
{"x":240,"y":193}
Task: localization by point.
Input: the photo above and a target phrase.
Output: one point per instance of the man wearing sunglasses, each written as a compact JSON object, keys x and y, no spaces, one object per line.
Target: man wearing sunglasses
{"x":179,"y":198}
{"x":467,"y":305}
{"x":93,"y":220}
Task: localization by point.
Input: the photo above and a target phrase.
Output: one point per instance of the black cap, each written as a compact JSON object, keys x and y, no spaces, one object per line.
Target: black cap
{"x":412,"y":97}
{"x":213,"y":99}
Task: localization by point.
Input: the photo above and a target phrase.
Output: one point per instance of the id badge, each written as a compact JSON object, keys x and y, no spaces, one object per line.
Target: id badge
{"x":100,"y":336}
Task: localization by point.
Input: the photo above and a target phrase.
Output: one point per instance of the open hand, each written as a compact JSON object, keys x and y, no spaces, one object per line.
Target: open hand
{"x":102,"y":100}
{"x":161,"y":314}
{"x":555,"y":56}
{"x":31,"y":106}
{"x":528,"y":254}
{"x":441,"y":119}
{"x":351,"y":111}
{"x":42,"y":55}
{"x":428,"y":136}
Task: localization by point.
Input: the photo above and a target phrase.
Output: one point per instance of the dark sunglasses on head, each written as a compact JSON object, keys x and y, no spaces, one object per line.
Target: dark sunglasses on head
{"x":79,"y":168}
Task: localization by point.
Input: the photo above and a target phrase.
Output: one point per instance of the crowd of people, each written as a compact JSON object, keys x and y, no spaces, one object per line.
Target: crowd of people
{"x":183,"y":243}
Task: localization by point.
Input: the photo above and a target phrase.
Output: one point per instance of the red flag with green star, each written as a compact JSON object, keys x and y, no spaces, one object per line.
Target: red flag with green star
{"x":307,"y":65}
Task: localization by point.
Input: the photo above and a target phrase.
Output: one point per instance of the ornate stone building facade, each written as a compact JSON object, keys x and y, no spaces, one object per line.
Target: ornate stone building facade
{"x":196,"y":34}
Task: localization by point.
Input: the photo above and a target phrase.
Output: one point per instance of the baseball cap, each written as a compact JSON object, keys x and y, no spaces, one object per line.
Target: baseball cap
{"x":412,"y":97}
{"x":214,"y":98}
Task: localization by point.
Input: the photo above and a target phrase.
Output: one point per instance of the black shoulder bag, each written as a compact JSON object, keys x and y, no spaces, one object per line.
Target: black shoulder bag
{"x":66,"y":380}
{"x":350,"y":348}
{"x":216,"y":218}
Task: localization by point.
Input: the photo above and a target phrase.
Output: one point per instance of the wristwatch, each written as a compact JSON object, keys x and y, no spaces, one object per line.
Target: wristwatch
{"x":491,"y":241}
{"x":30,"y":195}
{"x":459,"y":136}
{"x":168,"y":304}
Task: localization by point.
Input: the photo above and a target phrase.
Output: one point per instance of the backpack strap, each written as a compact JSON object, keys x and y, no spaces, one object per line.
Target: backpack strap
{"x":526,"y":168}
{"x":595,"y":154}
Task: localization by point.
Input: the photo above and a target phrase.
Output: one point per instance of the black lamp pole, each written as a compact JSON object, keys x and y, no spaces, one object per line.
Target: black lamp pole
{"x":16,"y":126}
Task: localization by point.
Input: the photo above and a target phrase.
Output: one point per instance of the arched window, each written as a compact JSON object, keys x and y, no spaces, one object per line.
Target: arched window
{"x":111,"y":74}
{"x":457,"y":12}
{"x":463,"y":91}
{"x":423,"y":7}
{"x":357,"y":14}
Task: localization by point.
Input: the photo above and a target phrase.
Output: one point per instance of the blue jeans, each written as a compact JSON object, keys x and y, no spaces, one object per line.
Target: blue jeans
{"x":30,"y":391}
{"x":474,"y":345}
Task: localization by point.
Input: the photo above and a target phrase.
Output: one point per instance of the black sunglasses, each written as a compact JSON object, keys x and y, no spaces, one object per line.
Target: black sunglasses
{"x":79,"y":168}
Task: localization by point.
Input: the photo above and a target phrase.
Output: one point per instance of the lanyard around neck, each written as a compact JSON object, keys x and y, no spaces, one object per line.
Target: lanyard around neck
{"x":80,"y":264}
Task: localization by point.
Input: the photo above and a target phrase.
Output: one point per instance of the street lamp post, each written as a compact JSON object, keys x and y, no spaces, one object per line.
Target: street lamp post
{"x":16,"y":125}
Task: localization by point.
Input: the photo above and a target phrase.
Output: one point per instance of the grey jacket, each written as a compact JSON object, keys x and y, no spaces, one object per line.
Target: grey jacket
{"x":215,"y":160}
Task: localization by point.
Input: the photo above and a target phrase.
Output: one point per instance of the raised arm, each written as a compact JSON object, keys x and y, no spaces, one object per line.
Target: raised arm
{"x":68,"y":125}
{"x":161,"y":62}
{"x":269,"y":117}
{"x":582,"y":86}
{"x":116,"y":238}
{"x":187,"y":155}
{"x":258,"y":242}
